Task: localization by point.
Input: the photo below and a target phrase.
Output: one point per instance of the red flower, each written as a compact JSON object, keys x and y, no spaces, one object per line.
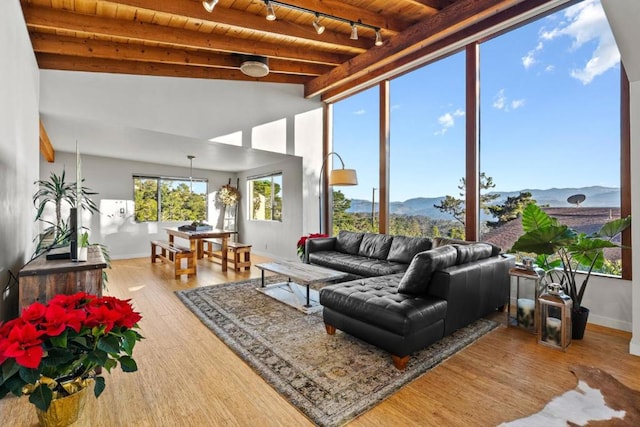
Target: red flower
{"x":71,"y":301}
{"x":34,"y":313}
{"x":23,"y":344}
{"x":101,"y":315}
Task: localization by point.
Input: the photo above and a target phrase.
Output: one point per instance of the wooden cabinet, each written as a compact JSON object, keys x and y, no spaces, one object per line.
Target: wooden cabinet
{"x":41,"y":279}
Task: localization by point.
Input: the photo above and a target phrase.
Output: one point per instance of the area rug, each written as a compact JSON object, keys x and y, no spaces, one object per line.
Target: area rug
{"x":331,"y":379}
{"x":598,"y":400}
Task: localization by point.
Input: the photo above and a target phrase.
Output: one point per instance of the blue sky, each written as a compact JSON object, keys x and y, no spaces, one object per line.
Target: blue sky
{"x":549,"y":114}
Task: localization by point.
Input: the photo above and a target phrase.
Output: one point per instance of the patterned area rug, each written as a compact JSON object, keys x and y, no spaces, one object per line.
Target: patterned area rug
{"x":331,"y":379}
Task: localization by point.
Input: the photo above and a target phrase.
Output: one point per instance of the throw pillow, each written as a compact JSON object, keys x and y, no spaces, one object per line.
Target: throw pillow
{"x":441,"y":241}
{"x":404,"y":248}
{"x":375,"y":245}
{"x":473,"y":252}
{"x":416,"y":280}
{"x":348,"y":242}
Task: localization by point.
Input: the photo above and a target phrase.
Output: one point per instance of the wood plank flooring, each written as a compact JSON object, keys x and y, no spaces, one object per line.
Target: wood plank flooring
{"x":188,"y":377}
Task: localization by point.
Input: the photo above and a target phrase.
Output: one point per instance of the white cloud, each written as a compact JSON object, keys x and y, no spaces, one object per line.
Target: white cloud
{"x":550,"y":68}
{"x":447,"y":120}
{"x":586,"y":22}
{"x":501,"y":102}
{"x":529,"y":59}
{"x":517,"y":103}
{"x":359,"y":112}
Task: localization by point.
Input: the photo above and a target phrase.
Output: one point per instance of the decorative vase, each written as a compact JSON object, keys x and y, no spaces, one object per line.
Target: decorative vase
{"x":82,"y":253}
{"x":579,"y":323}
{"x":64,"y":411}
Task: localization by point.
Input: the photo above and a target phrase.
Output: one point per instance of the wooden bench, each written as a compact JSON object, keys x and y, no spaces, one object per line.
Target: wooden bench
{"x":239,"y":253}
{"x":172,"y":253}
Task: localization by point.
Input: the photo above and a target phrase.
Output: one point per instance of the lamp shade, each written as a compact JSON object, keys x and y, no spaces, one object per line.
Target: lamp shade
{"x":343,"y":177}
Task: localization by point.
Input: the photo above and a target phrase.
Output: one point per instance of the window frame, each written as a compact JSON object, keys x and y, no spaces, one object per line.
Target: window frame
{"x":159,"y":179}
{"x":263,"y":177}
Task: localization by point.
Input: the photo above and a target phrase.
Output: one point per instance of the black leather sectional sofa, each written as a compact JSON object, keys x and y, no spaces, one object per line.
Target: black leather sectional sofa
{"x":407,"y":292}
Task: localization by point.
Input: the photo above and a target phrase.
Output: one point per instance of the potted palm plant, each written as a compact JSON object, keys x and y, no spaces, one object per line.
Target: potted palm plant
{"x":567,"y":256}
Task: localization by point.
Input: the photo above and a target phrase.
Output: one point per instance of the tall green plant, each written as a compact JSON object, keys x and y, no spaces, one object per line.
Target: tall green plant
{"x":561,"y":250}
{"x":57,"y":191}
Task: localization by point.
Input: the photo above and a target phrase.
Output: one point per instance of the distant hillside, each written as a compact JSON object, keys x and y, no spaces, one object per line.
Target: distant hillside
{"x":555,"y":197}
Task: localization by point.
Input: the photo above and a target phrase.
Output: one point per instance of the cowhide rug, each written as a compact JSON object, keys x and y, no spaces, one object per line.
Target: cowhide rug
{"x":598,"y":400}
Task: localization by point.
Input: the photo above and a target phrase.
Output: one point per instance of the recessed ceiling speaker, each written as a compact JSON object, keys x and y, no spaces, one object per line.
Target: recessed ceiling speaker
{"x":255,"y":66}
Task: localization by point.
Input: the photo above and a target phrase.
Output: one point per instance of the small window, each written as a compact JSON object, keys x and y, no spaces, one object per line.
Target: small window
{"x":266,"y":198}
{"x":169,"y":199}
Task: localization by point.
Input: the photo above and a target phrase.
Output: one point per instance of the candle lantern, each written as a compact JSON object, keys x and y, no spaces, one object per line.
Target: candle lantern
{"x":526,"y":287}
{"x":554,"y":327}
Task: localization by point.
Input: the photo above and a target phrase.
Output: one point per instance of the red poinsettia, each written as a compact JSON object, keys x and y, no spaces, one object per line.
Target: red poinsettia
{"x":303,"y":240}
{"x":68,"y":338}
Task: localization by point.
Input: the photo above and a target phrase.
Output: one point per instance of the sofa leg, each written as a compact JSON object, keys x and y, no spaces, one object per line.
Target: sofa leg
{"x":400,"y":362}
{"x":331,"y":330}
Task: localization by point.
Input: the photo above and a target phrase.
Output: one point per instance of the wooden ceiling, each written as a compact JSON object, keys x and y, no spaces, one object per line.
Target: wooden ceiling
{"x":180,"y":38}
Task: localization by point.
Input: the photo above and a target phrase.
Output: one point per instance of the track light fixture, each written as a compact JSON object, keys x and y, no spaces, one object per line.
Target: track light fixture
{"x":319,"y":28}
{"x":317,"y":25}
{"x":209,"y":5}
{"x":354,"y":31}
{"x":271,"y":13}
{"x":378,"y":38}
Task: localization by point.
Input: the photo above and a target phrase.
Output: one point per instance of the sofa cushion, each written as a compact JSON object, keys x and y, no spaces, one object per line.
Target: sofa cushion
{"x":375,"y":246}
{"x":404,"y":248}
{"x":355,"y":264}
{"x":348,"y":242}
{"x":473,"y":252}
{"x":441,"y":241}
{"x":416,"y":280}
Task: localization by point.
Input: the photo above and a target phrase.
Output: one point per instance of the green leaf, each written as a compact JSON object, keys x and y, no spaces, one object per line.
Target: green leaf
{"x":534,"y":218}
{"x":9,"y":369}
{"x":545,"y":240}
{"x":15,"y":384}
{"x":99,"y":386}
{"x":128,"y":364}
{"x":98,"y":357}
{"x":615,"y":227}
{"x":60,"y":340}
{"x":110,"y":344}
{"x":30,"y":376}
{"x":41,"y":397}
{"x":57,"y":356}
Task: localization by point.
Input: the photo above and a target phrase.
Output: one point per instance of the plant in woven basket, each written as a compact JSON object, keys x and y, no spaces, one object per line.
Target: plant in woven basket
{"x":51,"y":350}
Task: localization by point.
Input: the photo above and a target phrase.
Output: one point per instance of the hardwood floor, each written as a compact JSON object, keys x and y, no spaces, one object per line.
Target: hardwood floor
{"x":187,"y":376}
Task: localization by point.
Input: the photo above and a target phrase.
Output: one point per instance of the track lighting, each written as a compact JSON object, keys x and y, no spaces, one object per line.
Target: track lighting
{"x":354,"y":31}
{"x":209,"y":5}
{"x":317,"y":25}
{"x":378,"y":37}
{"x":271,"y":14}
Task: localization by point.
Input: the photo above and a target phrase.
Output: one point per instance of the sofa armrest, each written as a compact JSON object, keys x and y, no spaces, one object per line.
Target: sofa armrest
{"x":317,"y":245}
{"x":472,"y":290}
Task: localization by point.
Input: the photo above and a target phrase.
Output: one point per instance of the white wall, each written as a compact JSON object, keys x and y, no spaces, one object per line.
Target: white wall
{"x":18,"y":148}
{"x":112,"y":180}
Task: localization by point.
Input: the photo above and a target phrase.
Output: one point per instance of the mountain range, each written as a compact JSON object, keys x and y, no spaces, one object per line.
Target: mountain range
{"x":596,"y":196}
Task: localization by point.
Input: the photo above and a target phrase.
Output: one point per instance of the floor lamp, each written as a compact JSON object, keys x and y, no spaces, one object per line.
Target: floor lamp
{"x":336,"y":177}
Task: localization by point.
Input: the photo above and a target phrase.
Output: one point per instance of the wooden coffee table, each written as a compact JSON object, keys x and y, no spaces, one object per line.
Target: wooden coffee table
{"x":300,"y":276}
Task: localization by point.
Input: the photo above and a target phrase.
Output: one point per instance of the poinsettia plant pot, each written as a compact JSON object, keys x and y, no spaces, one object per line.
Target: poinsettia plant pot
{"x":579,"y":322}
{"x":64,"y":411}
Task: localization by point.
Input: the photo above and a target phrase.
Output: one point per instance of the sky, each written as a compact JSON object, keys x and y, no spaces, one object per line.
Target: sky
{"x":549,"y":102}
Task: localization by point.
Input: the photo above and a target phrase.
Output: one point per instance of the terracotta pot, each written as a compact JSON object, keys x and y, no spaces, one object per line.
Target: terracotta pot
{"x":63,"y":411}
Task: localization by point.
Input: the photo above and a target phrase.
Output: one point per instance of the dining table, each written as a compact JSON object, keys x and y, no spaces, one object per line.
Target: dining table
{"x":196,"y":244}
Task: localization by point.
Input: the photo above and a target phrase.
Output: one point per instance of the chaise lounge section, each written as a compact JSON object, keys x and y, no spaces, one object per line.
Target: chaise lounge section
{"x":440,"y":290}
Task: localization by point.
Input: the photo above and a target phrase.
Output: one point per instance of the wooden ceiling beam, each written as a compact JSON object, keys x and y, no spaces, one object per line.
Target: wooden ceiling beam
{"x":450,"y":20}
{"x":506,"y":15}
{"x":46,"y":149}
{"x":235,"y":18}
{"x":91,"y":48}
{"x":40,"y":17}
{"x":99,"y":65}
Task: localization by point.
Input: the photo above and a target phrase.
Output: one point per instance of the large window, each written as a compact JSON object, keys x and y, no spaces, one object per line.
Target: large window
{"x":266,"y":198}
{"x":550,"y":127}
{"x":428,"y":150}
{"x":356,"y":139}
{"x":169,"y":199}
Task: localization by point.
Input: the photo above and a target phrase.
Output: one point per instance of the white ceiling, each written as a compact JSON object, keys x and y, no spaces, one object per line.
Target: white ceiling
{"x":624,"y":18}
{"x":162,"y":120}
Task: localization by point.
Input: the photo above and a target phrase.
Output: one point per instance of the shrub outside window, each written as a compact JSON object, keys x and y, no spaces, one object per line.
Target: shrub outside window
{"x":266,"y":197}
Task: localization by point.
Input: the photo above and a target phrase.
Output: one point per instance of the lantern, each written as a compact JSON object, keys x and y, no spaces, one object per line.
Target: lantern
{"x":526,"y":287}
{"x":554,"y":326}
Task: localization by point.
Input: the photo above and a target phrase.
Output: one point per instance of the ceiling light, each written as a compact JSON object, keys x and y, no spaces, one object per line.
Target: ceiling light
{"x":378,"y":38}
{"x":317,"y":25}
{"x":209,"y":5}
{"x":354,"y":32}
{"x":271,"y":14}
{"x":255,"y":66}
